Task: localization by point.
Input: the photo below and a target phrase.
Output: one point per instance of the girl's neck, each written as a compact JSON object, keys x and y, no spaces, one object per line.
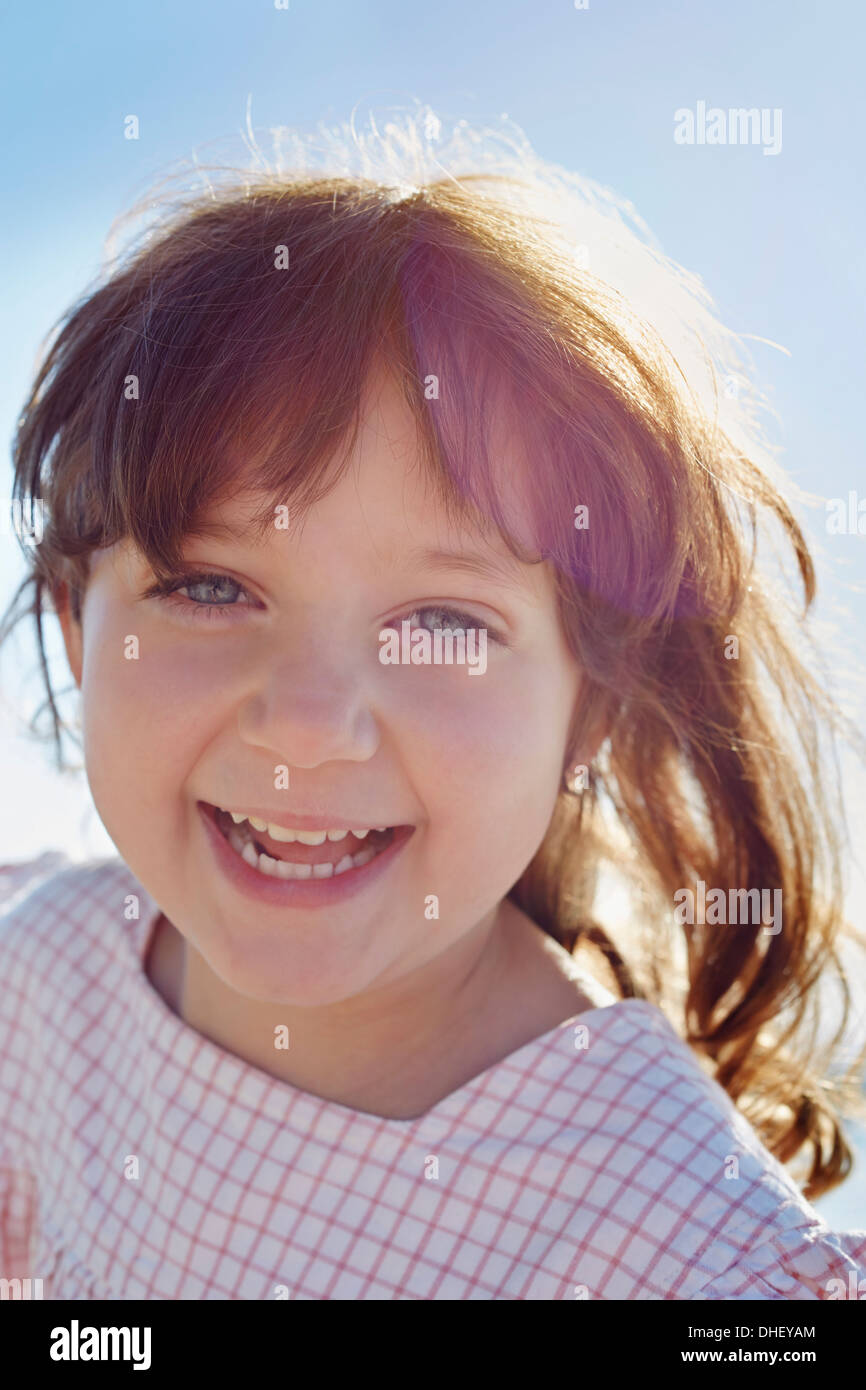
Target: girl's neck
{"x":520,"y":986}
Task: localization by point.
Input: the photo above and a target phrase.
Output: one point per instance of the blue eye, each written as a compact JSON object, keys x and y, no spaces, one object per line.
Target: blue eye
{"x":457,"y":618}
{"x":167,"y":591}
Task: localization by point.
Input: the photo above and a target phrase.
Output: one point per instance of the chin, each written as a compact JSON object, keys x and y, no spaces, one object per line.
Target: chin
{"x":282,"y":978}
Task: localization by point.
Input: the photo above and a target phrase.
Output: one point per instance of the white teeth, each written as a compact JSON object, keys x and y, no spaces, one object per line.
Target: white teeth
{"x":285,"y":869}
{"x":241,"y":842}
{"x":303,"y":837}
{"x":277,"y":832}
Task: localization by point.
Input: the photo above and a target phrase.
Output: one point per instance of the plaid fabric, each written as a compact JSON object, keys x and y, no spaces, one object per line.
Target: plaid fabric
{"x":561,"y":1172}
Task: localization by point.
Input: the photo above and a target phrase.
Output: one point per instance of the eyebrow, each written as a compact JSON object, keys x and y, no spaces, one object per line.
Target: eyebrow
{"x":506,"y":568}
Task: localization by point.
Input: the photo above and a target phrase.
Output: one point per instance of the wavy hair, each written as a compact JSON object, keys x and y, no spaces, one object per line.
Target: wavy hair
{"x":250,"y":311}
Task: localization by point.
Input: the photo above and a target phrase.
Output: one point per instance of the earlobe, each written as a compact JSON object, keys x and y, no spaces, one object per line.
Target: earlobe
{"x":71,"y":629}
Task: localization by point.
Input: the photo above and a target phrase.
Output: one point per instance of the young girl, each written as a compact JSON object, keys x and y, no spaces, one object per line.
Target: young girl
{"x":411,"y":590}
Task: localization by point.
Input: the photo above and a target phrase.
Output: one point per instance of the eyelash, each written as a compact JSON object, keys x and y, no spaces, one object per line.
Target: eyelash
{"x":165,"y":589}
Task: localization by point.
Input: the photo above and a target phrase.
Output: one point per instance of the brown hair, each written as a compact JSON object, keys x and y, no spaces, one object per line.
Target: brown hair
{"x":250,"y":318}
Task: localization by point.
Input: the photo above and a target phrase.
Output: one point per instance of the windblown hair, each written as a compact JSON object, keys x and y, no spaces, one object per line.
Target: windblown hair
{"x":232,"y":344}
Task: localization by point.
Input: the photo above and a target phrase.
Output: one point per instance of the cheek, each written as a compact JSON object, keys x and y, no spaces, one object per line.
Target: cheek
{"x":144,"y":713}
{"x":486,"y":755}
{"x":508,"y":723}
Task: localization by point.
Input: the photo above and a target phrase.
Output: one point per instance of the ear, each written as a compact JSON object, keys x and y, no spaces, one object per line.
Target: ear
{"x":71,"y":629}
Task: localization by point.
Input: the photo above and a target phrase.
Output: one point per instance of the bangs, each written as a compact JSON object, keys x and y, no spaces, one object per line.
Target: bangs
{"x":252,"y":377}
{"x":232,"y":356}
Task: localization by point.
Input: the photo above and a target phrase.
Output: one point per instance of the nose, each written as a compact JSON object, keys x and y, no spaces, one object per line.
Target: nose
{"x":308,"y":708}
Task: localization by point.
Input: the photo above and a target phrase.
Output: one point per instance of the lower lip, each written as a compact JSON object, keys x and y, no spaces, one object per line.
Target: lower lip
{"x":308,"y":892}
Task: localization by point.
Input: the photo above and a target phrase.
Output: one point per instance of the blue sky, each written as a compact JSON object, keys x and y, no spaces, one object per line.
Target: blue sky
{"x":777,"y":239}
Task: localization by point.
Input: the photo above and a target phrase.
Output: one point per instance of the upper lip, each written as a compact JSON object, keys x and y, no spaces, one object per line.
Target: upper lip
{"x":335,"y":821}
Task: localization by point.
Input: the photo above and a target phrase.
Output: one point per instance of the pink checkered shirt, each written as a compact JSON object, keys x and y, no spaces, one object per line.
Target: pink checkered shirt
{"x":563,"y":1171}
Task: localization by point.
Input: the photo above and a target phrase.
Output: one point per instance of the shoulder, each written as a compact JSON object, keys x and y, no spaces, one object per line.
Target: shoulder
{"x":66,"y":950}
{"x":27,"y":893}
{"x":17,"y":879}
{"x":51,"y":891}
{"x":65,"y":961}
{"x":759,"y":1236}
{"x":56,"y":917}
{"x":52,"y":885}
{"x":686,"y":1176}
{"x":796,"y":1258}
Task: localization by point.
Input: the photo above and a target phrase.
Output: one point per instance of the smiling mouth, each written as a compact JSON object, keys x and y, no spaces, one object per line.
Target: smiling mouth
{"x":292,"y":860}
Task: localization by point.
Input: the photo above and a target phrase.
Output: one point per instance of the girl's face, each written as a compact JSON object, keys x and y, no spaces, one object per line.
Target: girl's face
{"x":203,"y":696}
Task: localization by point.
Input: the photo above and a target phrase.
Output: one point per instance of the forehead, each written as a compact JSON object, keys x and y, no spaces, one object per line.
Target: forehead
{"x":382,"y":501}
